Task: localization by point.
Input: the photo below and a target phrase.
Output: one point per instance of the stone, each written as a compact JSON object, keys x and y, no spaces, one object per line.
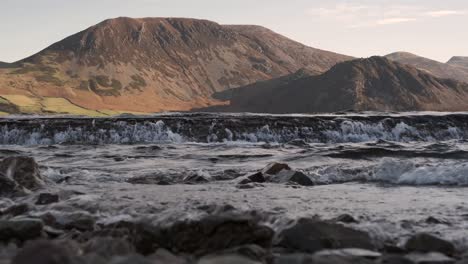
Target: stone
{"x":301,"y":258}
{"x":196,"y":178}
{"x":43,"y":252}
{"x":24,"y":171}
{"x":165,"y":256}
{"x":346,"y":218}
{"x":47,"y":198}
{"x":20,"y":229}
{"x":310,"y":235}
{"x":423,"y":242}
{"x":132,"y":259}
{"x":430,"y":258}
{"x":257,"y":177}
{"x":350,"y":252}
{"x":108,"y":247}
{"x":275,"y":168}
{"x":394,"y":259}
{"x":233,"y":259}
{"x":16,"y":209}
{"x":214,"y":233}
{"x":81,"y":221}
{"x":253,"y":252}
{"x":436,"y":221}
{"x":291,"y":176}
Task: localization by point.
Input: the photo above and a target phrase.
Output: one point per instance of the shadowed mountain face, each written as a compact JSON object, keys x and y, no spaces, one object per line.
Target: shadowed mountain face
{"x":459,"y":61}
{"x":364,"y":84}
{"x":4,"y":64}
{"x":158,"y":64}
{"x":438,"y":69}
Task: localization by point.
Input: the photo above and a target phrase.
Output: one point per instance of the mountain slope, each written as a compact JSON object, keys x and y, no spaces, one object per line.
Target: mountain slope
{"x":364,"y":84}
{"x":158,"y":64}
{"x":459,"y":61}
{"x":438,"y":69}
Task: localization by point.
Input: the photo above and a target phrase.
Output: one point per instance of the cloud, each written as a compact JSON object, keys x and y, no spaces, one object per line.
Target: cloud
{"x":394,"y":20}
{"x":443,"y":13}
{"x":375,"y":15}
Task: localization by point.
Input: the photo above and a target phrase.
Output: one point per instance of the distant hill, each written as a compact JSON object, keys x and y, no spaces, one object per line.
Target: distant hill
{"x":375,"y":83}
{"x":438,"y":69}
{"x":152,"y":65}
{"x":459,"y":61}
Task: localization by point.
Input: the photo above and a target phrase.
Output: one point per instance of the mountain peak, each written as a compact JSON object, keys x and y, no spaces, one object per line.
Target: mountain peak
{"x":459,"y":61}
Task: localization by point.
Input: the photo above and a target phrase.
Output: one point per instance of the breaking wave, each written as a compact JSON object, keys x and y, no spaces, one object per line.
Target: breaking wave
{"x":219,"y":128}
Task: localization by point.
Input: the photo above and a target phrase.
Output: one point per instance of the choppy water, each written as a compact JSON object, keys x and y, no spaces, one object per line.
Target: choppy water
{"x":389,"y":169}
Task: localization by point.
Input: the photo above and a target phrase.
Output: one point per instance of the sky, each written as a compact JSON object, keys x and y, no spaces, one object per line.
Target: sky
{"x":431,"y":28}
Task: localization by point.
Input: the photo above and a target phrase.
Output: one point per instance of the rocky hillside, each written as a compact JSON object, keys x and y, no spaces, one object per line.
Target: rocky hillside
{"x":459,"y":61}
{"x":152,"y":64}
{"x":438,"y":69}
{"x":364,"y":84}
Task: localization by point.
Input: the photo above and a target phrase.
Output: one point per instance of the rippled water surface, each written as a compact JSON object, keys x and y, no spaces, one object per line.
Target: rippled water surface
{"x":390,"y":170}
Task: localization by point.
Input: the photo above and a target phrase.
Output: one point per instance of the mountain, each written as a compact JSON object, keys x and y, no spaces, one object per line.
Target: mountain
{"x":153,"y":64}
{"x":438,"y":69}
{"x":369,"y":84}
{"x":459,"y":61}
{"x":4,"y":64}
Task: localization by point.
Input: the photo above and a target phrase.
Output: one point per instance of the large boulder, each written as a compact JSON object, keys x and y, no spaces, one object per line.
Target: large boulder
{"x":423,"y":242}
{"x":310,"y":235}
{"x":44,"y":252}
{"x":277,"y":173}
{"x":18,"y":174}
{"x":20,"y":230}
{"x":214,"y":233}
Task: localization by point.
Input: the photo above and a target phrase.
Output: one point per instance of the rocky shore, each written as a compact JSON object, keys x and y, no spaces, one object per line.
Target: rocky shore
{"x":39,"y":225}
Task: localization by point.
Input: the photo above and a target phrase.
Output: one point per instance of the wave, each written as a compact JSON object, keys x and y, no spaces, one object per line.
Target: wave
{"x":250,"y":128}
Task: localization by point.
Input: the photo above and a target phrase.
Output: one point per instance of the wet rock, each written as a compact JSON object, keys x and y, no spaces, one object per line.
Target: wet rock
{"x":196,"y":178}
{"x":346,"y":218}
{"x":226,"y":260}
{"x":310,"y":235}
{"x":108,"y":247}
{"x":275,"y":168}
{"x":132,"y":259}
{"x":317,"y":259}
{"x":291,"y":176}
{"x":47,"y":198}
{"x":253,"y":252}
{"x":164,"y":256}
{"x":24,"y":171}
{"x":350,"y":252}
{"x":428,"y":243}
{"x":152,"y":179}
{"x":16,"y":209}
{"x":394,"y":259}
{"x":43,"y":252}
{"x":214,"y":233}
{"x":436,"y":221}
{"x":81,"y":221}
{"x":430,"y":258}
{"x":21,"y":229}
{"x":9,"y":187}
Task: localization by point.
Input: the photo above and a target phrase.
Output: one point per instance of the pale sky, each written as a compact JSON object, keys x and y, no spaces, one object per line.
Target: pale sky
{"x":432,"y":28}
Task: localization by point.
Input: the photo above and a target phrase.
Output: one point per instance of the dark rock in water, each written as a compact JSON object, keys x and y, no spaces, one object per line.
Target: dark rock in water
{"x":17,"y":209}
{"x":274,"y":168}
{"x":350,"y":252}
{"x":228,"y":259}
{"x":287,"y":176}
{"x":436,"y":221}
{"x":346,"y":218}
{"x":428,"y":243}
{"x":22,"y":230}
{"x":196,"y":178}
{"x":23,"y":170}
{"x":394,"y":259}
{"x":43,"y":252}
{"x":132,"y":259}
{"x":9,"y":187}
{"x":309,"y":235}
{"x":47,"y":198}
{"x":108,"y":247}
{"x":252,"y":252}
{"x":257,"y":177}
{"x":81,"y":221}
{"x":430,"y":258}
{"x":164,"y":256}
{"x":317,"y":259}
{"x":214,"y":233}
{"x":152,"y":179}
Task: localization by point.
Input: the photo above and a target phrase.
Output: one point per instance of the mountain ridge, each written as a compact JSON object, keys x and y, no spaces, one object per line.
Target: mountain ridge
{"x":374,"y":83}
